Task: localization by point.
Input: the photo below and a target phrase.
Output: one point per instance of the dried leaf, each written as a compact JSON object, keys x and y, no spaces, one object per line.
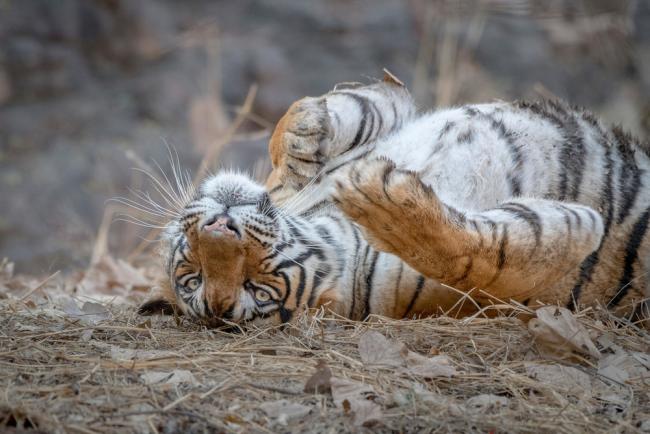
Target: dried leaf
{"x":320,"y":381}
{"x":90,"y":313}
{"x":87,"y":335}
{"x":365,"y":413}
{"x":376,"y":349}
{"x":622,"y":366}
{"x":109,"y":276}
{"x":352,"y":396}
{"x":558,"y":333}
{"x":177,"y":376}
{"x":567,"y":379}
{"x":343,"y":389}
{"x":428,"y":367}
{"x":285,"y":411}
{"x":642,"y":358}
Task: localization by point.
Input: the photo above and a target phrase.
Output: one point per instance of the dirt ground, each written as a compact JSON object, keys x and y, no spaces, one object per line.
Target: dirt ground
{"x":74,"y":363}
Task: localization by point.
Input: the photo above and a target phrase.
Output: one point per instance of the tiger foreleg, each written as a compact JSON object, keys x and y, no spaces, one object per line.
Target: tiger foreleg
{"x":514,"y":251}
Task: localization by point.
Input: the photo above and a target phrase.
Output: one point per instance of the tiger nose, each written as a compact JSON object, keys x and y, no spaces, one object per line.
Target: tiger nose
{"x":222,"y":223}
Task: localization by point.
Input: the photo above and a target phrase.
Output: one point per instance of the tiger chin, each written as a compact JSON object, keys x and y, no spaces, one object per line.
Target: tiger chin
{"x":373,"y":207}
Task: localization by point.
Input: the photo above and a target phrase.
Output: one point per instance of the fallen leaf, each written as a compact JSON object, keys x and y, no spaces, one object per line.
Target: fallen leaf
{"x":483,"y":403}
{"x":567,"y":379}
{"x":319,"y":382}
{"x":109,"y":276}
{"x":642,"y":358}
{"x":558,"y":333}
{"x":365,"y":413}
{"x":90,"y":313}
{"x":352,"y":397}
{"x":428,"y":367}
{"x":376,"y":349}
{"x":177,"y":376}
{"x":622,"y":366}
{"x":285,"y":411}
{"x":87,"y":335}
{"x":343,"y":389}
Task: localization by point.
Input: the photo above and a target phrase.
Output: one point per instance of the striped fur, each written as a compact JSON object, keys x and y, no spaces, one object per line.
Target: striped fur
{"x":377,"y":208}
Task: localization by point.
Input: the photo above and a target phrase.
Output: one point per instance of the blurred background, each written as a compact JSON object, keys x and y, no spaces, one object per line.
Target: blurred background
{"x":90,"y":89}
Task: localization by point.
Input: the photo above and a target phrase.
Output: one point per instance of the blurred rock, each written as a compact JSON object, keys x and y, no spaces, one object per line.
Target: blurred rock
{"x":84,"y":81}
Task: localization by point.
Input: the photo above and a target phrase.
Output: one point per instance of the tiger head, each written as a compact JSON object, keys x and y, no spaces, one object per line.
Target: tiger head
{"x":232,"y":255}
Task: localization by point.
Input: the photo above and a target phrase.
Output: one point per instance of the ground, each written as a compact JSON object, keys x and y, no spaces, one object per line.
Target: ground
{"x":69,"y":365}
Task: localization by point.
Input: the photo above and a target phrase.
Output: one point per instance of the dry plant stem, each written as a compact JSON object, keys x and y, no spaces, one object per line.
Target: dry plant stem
{"x":39,"y":286}
{"x":59,"y":380}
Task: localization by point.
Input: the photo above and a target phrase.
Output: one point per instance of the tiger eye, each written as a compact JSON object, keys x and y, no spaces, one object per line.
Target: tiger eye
{"x":262,"y":295}
{"x":193,"y":284}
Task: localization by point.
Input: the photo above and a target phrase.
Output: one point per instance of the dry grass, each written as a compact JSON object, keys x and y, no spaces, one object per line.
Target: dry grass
{"x":63,"y":376}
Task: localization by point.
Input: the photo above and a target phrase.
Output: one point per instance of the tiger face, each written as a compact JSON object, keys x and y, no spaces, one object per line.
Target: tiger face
{"x":226,"y":256}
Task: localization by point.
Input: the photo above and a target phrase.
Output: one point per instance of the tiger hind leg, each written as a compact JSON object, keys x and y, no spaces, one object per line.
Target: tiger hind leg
{"x":515,"y":251}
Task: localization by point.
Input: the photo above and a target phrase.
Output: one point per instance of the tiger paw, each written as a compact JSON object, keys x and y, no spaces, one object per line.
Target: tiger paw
{"x":384,"y":201}
{"x":297,"y":140}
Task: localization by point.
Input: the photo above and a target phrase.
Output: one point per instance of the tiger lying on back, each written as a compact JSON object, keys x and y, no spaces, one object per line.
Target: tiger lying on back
{"x":374,"y":208}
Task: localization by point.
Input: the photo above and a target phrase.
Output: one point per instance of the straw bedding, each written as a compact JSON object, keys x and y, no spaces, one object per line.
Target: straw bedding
{"x":92,"y":367}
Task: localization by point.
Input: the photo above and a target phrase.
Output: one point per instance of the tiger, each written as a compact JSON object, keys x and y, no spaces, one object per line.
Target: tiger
{"x":374,"y":207}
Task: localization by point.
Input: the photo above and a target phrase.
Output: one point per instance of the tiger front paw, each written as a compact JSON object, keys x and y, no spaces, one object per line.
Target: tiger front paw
{"x":387,"y":202}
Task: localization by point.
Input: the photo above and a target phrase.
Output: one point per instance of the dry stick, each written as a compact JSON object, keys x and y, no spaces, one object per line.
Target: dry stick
{"x":39,"y":286}
{"x":208,"y":158}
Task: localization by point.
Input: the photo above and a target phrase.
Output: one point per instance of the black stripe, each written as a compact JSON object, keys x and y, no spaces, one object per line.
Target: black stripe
{"x":369,"y":278}
{"x":572,"y":153}
{"x":316,"y":207}
{"x":528,"y":215}
{"x":356,"y":289}
{"x":631,"y":256}
{"x":285,"y":314}
{"x":589,"y":264}
{"x":319,"y":275}
{"x":252,"y":235}
{"x":372,"y":112}
{"x":477,"y":229}
{"x":445,"y":129}
{"x":305,"y":160}
{"x":354,"y":274}
{"x":363,"y":107}
{"x":338,"y":166}
{"x":507,"y":136}
{"x":501,"y":256}
{"x":395,"y":116}
{"x":466,"y":136}
{"x":416,"y":294}
{"x":629,"y":182}
{"x":170,"y":263}
{"x":302,"y":283}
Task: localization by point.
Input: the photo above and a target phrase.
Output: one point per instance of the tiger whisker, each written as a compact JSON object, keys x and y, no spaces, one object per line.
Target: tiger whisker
{"x":147,"y":200}
{"x":144,"y":208}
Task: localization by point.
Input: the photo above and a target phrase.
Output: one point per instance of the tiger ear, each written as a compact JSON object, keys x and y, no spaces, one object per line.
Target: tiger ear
{"x":160,"y":302}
